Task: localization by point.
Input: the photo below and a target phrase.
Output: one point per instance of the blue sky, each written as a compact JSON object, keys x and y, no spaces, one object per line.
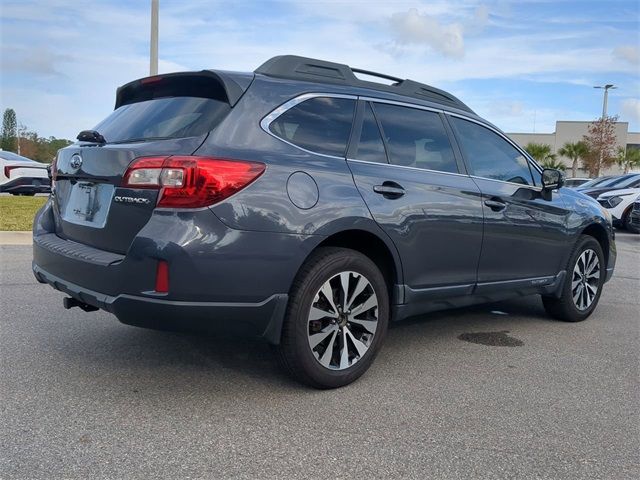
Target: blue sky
{"x":517,"y":63}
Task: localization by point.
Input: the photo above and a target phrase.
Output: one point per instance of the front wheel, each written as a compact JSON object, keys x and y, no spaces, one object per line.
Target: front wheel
{"x":626,"y":222}
{"x":336,"y":319}
{"x":582,"y":284}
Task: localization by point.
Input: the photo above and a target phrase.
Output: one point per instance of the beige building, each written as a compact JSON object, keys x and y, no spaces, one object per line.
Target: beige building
{"x":571,"y":131}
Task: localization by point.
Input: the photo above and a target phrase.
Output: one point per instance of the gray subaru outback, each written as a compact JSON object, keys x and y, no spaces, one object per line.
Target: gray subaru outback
{"x":305,"y":205}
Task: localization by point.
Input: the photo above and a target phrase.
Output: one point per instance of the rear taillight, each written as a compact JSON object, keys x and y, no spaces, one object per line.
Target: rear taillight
{"x":8,"y":168}
{"x":191,"y":182}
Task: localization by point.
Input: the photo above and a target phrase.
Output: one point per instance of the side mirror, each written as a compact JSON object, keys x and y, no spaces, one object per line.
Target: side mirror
{"x":552,"y":179}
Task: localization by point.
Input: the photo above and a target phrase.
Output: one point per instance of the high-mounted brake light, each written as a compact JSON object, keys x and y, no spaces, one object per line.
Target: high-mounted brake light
{"x":191,"y":182}
{"x":154,"y":79}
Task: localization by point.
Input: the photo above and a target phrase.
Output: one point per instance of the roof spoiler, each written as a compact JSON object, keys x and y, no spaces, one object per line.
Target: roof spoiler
{"x":216,"y":84}
{"x":314,"y":70}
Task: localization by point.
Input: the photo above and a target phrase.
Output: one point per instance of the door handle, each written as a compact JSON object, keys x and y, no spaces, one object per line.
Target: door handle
{"x":495,"y":204}
{"x":389,"y":190}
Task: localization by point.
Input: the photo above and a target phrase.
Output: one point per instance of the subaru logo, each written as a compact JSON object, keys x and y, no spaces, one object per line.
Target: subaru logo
{"x":76,"y":162}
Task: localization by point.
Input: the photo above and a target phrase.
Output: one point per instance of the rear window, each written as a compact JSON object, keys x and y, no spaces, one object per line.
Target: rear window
{"x":321,"y":124}
{"x":170,"y":117}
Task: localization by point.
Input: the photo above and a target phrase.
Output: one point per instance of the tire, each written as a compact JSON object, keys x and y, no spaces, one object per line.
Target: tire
{"x":325,"y":364}
{"x":626,"y":221}
{"x":566,"y":307}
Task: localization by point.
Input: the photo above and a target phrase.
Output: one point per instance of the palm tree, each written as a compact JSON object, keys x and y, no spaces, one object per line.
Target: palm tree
{"x":628,"y":158}
{"x":553,"y":163}
{"x":541,"y":152}
{"x":575,"y":152}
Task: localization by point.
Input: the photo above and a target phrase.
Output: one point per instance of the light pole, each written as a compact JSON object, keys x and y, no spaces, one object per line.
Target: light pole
{"x":606,"y":89}
{"x":153,"y":54}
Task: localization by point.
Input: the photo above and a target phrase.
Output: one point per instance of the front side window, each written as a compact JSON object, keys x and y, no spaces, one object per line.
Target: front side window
{"x":491,"y":156}
{"x":416,"y":138}
{"x":320,"y":124}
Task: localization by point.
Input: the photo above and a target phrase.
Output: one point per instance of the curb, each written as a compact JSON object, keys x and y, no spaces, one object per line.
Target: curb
{"x":16,"y":238}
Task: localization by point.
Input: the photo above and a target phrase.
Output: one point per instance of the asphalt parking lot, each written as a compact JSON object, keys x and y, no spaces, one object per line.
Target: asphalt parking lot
{"x":82,"y":396}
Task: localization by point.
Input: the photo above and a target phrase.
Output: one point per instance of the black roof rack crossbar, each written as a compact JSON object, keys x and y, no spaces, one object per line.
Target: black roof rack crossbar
{"x":314,"y":70}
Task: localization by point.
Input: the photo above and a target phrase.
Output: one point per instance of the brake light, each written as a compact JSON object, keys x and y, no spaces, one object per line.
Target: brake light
{"x":191,"y":182}
{"x":8,"y":168}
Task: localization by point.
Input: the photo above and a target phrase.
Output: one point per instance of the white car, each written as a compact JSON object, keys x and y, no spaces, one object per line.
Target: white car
{"x":619,"y":203}
{"x":22,"y":176}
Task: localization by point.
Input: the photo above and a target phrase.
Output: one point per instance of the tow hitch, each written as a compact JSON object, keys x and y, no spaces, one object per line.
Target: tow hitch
{"x":70,"y":302}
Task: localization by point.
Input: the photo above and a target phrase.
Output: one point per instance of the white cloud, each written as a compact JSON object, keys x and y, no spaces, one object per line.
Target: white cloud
{"x":628,"y":53}
{"x":412,"y":27}
{"x":630,"y":110}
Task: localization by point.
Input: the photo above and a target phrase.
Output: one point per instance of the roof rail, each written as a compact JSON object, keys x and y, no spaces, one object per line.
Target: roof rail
{"x":314,"y":70}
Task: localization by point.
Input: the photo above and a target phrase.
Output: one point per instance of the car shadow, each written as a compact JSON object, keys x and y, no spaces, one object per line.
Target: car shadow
{"x":166,"y":361}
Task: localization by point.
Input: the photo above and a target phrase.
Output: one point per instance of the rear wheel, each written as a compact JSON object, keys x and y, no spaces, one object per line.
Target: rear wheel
{"x":336,"y":319}
{"x":582,"y":284}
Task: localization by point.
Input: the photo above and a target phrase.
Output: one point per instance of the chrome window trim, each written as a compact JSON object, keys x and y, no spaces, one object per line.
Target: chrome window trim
{"x":530,"y":187}
{"x":265,"y":123}
{"x":407,"y":167}
{"x":400,"y":104}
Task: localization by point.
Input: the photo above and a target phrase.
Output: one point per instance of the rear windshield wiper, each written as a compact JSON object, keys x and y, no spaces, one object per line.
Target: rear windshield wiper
{"x":91,"y":136}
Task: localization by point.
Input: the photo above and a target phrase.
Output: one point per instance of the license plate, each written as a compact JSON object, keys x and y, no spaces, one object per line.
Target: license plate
{"x":82,"y":201}
{"x":87,"y":204}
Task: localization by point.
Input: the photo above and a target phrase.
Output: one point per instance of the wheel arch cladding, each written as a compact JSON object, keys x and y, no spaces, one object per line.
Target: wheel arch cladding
{"x":600,"y":234}
{"x":377,"y":250}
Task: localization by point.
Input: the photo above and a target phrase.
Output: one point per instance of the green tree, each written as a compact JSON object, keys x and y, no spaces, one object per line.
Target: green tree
{"x":628,"y":158}
{"x":553,"y":163}
{"x":9,"y":135}
{"x":541,"y":152}
{"x":574,"y":151}
{"x":601,"y":142}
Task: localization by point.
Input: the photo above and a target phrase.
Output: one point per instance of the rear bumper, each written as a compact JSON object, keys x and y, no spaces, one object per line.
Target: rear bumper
{"x":221,"y":280}
{"x":262,"y":319}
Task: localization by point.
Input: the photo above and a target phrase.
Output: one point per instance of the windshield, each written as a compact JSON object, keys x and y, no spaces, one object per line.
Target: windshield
{"x":170,"y":117}
{"x":594,"y":182}
{"x":14,"y":157}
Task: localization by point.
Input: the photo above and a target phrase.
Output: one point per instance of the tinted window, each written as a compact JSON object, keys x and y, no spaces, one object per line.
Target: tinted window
{"x":370,"y":146}
{"x":624,"y":182}
{"x":416,"y":138}
{"x":491,"y":156}
{"x":171,"y":117}
{"x":320,"y":124}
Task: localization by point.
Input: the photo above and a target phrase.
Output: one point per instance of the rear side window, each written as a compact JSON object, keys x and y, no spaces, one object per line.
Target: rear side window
{"x":169,"y":117}
{"x":416,"y":138}
{"x":491,"y":156}
{"x":321,"y":124}
{"x":370,"y":146}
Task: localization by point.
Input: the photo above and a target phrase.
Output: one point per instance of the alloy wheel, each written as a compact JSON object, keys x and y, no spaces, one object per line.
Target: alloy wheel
{"x":342,"y":320}
{"x":586,"y":279}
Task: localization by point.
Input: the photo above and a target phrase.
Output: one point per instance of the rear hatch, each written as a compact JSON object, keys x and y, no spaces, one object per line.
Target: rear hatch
{"x":157,"y":116}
